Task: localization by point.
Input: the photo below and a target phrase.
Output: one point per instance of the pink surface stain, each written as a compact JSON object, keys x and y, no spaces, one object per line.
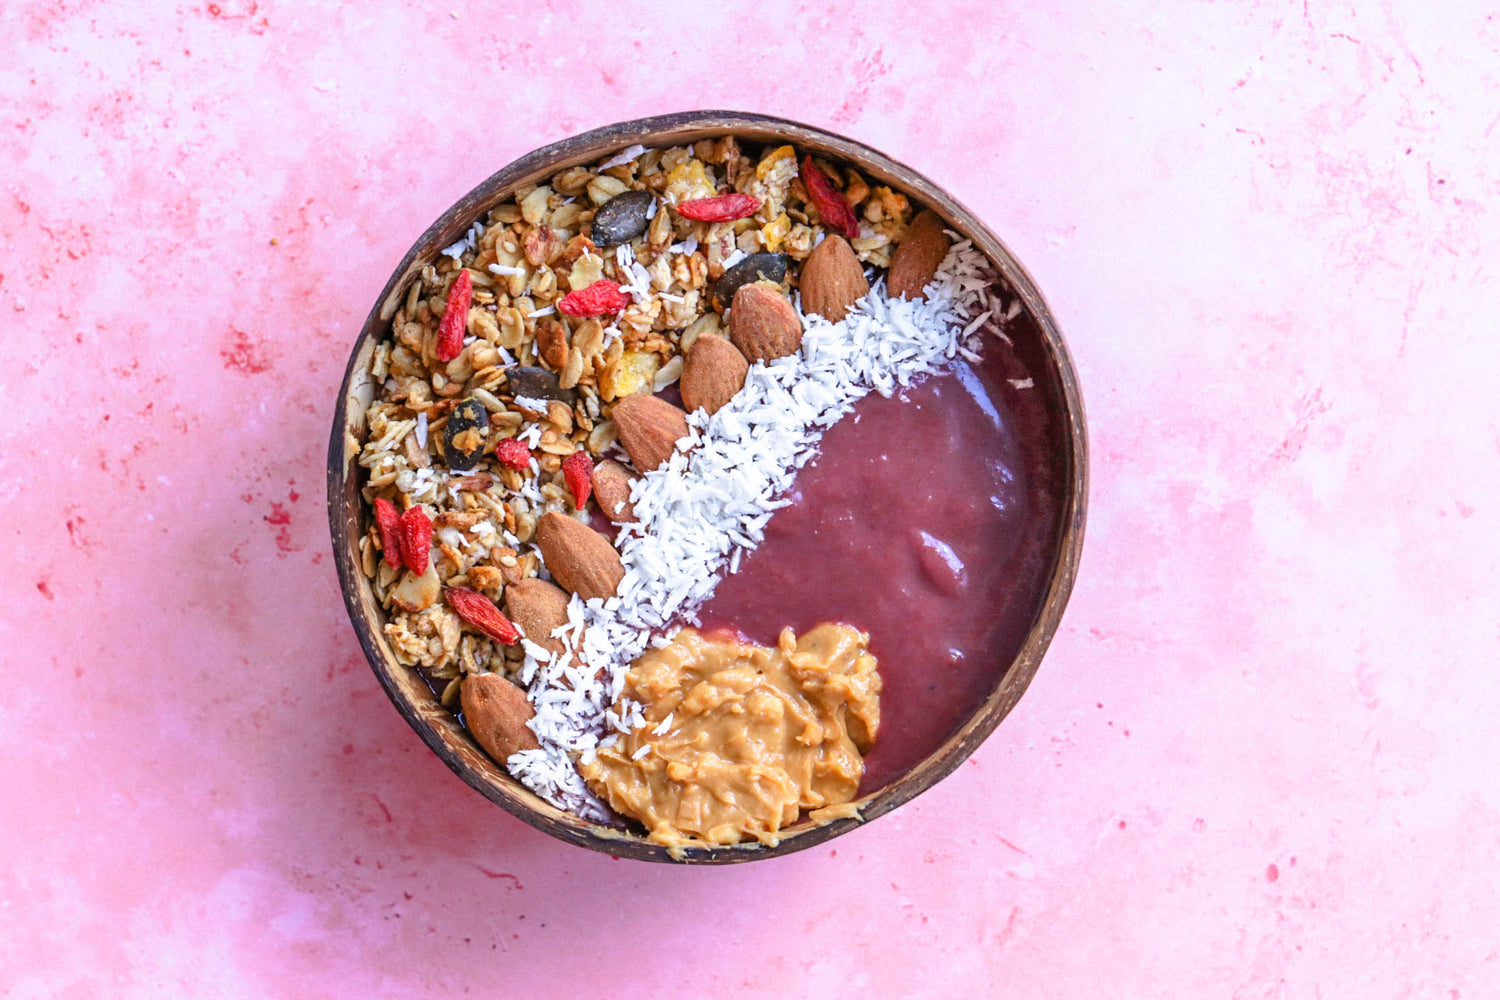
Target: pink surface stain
{"x":1257,"y":760}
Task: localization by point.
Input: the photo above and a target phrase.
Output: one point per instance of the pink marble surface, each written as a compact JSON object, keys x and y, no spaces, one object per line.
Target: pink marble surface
{"x":1259,"y":761}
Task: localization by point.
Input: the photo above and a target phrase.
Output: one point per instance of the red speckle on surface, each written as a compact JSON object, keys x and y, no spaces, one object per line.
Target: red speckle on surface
{"x":281,"y":520}
{"x":515,"y":882}
{"x":1272,"y":873}
{"x":45,"y":589}
{"x":245,"y":354}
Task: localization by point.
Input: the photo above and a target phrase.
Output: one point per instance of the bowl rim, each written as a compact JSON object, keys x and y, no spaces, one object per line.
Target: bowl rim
{"x":462,"y":756}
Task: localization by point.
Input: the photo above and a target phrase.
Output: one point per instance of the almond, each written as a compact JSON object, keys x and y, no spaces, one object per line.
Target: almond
{"x":649,"y":429}
{"x":612,"y":491}
{"x":917,"y":257}
{"x":763,"y":323}
{"x":537,"y":607}
{"x":714,"y":371}
{"x":832,"y":279}
{"x":496,"y":711}
{"x":580,"y":559}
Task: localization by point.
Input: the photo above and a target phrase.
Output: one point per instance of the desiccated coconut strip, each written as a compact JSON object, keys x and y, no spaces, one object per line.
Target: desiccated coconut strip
{"x":716,"y":495}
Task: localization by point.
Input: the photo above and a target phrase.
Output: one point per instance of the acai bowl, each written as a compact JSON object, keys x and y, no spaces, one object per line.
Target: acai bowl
{"x":704,"y":486}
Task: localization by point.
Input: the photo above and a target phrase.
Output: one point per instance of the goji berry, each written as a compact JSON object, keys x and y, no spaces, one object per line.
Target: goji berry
{"x":724,"y":208}
{"x":388,"y":519}
{"x":450,"y":342}
{"x":578,"y":471}
{"x":513,"y":454}
{"x":601,"y":298}
{"x":479,"y":611}
{"x":416,"y":539}
{"x":836,"y":213}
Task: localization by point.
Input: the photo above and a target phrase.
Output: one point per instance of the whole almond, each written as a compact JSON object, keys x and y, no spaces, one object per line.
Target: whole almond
{"x":649,"y":429}
{"x":496,"y":711}
{"x":832,"y":279}
{"x":917,"y":257}
{"x":763,"y":323}
{"x":580,"y":559}
{"x":537,"y":607}
{"x":612,"y":491}
{"x":715,"y":370}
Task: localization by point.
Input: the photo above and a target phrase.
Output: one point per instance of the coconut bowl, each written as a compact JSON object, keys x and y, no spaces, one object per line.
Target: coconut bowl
{"x":1037,"y":340}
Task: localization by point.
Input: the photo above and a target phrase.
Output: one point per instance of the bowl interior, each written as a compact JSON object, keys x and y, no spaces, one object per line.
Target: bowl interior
{"x":1039,"y":344}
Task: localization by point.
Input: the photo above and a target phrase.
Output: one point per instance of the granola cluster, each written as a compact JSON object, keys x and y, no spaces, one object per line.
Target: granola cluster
{"x":543,"y":364}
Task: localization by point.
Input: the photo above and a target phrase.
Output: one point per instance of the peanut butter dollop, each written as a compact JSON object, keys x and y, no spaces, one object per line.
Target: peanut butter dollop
{"x":749,"y":736}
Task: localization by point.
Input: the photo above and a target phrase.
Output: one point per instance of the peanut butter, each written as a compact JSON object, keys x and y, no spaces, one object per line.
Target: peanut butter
{"x":749,"y":736}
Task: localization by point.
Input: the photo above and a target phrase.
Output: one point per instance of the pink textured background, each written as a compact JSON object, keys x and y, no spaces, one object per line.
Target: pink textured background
{"x":1260,"y":759}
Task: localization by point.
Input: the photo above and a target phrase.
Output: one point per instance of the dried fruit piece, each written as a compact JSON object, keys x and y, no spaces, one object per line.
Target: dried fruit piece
{"x":580,"y":559}
{"x":612,"y":489}
{"x":602,"y":298}
{"x":455,"y":322}
{"x":630,"y":373}
{"x":917,"y":257}
{"x":756,"y":267}
{"x":537,"y":608}
{"x":832,"y":279}
{"x":496,"y":712}
{"x":578,"y":470}
{"x":621,"y":219}
{"x":463,"y":435}
{"x":513,"y":454}
{"x":388,"y":519}
{"x":649,"y":429}
{"x":724,"y":208}
{"x":836,"y":213}
{"x":763,"y":323}
{"x":714,"y":371}
{"x":416,"y":540}
{"x":480,"y":612}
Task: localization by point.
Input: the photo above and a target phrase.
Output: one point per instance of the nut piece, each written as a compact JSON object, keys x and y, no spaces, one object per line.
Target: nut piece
{"x":417,"y":593}
{"x":552,"y":342}
{"x":917,"y":257}
{"x":496,"y":711}
{"x":715,"y":370}
{"x":649,"y":429}
{"x":763,"y":324}
{"x":832,"y":279}
{"x":537,"y":607}
{"x":579,"y":558}
{"x":612,"y":490}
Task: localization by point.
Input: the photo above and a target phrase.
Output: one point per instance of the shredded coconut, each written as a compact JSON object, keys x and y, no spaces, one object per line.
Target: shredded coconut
{"x":623,"y":157}
{"x":535,"y":404}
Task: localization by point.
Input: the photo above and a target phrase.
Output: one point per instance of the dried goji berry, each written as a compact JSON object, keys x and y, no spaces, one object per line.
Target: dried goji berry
{"x":450,"y":342}
{"x":479,"y":611}
{"x":513,"y":454}
{"x":602,"y":298}
{"x":836,"y":213}
{"x":578,"y":471}
{"x":388,"y":519}
{"x":416,"y":539}
{"x":724,"y":208}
